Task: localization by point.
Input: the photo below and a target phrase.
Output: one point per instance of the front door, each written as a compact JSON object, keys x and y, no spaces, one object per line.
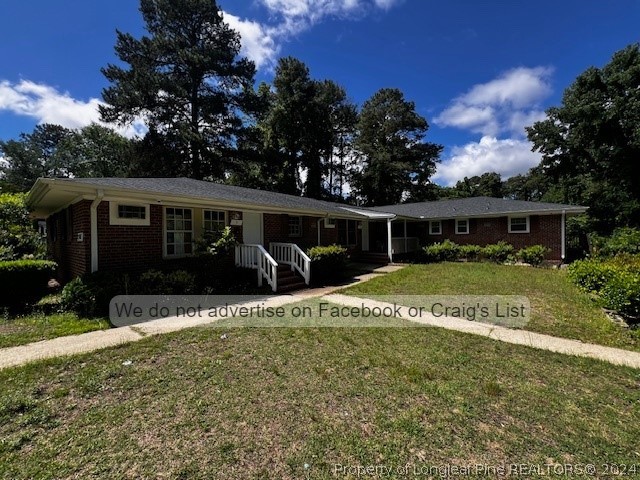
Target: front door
{"x":252,"y":228}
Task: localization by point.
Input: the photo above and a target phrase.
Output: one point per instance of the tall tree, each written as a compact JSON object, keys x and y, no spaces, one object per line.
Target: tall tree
{"x":394,"y":159}
{"x":185,"y":79}
{"x":34,"y":155}
{"x":594,"y":136}
{"x":486,"y":185}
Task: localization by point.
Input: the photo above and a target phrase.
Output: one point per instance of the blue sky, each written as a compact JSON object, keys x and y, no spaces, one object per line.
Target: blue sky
{"x":479,"y":71}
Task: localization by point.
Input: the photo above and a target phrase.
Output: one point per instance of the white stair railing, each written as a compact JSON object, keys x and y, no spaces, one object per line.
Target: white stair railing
{"x":292,"y":254}
{"x":256,"y":257}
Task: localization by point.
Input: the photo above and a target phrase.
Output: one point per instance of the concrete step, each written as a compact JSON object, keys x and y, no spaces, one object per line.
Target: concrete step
{"x":290,"y":287}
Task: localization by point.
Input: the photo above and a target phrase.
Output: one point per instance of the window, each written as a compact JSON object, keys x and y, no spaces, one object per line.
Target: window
{"x":329,"y":223}
{"x":213,"y":221}
{"x":518,"y":224}
{"x":347,"y":232}
{"x":295,"y":226}
{"x":128,"y":214}
{"x":435,"y":227}
{"x":462,"y":226}
{"x":178,"y":231}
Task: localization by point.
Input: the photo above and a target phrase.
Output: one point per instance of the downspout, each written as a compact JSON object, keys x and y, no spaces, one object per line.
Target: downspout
{"x":319,"y":238}
{"x":94,"y":230}
{"x":563,"y":235}
{"x":389,"y":245}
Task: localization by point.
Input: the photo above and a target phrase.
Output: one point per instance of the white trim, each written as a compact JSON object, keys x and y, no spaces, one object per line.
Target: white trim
{"x":389,"y":241}
{"x":114,"y":219}
{"x":462,"y":220}
{"x":528,"y":229}
{"x":563,"y":235}
{"x":164,"y":234}
{"x":300,"y":226}
{"x":93,"y":219}
{"x":431,"y":222}
{"x":213,"y":210}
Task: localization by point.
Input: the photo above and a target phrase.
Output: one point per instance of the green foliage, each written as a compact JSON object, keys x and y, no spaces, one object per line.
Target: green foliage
{"x":24,"y":281}
{"x":79,"y":298}
{"x":18,"y":236}
{"x":395,"y":158}
{"x":470,"y":252}
{"x":217,"y":243}
{"x":185,"y":73}
{"x":623,"y":240}
{"x":533,"y":255}
{"x":485,"y":185}
{"x":498,"y":252}
{"x":327,"y":262}
{"x":446,"y":251}
{"x":616,"y":281}
{"x":155,"y":282}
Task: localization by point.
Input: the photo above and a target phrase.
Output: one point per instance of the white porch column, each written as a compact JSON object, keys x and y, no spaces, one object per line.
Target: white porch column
{"x":365,"y":235}
{"x":389,"y":245}
{"x":563,"y":234}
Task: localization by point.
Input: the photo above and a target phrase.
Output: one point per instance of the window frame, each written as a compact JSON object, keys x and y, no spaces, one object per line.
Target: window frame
{"x":299,"y":226}
{"x":431,"y":222}
{"x":165,"y":232}
{"x":204,"y":220}
{"x":527,"y":224}
{"x":115,"y":219}
{"x":466,"y":220}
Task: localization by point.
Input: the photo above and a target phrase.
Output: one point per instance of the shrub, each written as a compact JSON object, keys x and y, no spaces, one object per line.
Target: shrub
{"x":18,"y":237}
{"x":79,"y":298}
{"x":24,"y":281}
{"x":471,"y":252}
{"x":533,"y":255}
{"x":217,"y":243}
{"x":447,"y":251}
{"x":622,"y":241}
{"x":622,"y":293}
{"x":327,"y":262}
{"x":591,"y":275}
{"x":498,"y":252}
{"x":155,"y":282}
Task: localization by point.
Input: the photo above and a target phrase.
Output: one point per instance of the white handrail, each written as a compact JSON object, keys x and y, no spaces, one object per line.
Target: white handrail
{"x":292,"y":254}
{"x":256,"y":257}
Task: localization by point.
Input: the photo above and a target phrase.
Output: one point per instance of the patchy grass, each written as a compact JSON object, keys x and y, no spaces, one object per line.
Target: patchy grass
{"x":558,"y":307}
{"x":33,"y":328}
{"x":267,"y":401}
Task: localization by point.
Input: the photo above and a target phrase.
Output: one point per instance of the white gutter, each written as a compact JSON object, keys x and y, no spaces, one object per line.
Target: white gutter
{"x":94,"y":229}
{"x":563,"y":235}
{"x":319,"y":237}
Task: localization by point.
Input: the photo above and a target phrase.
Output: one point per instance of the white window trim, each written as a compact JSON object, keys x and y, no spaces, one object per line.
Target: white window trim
{"x":296,"y":235}
{"x":528,"y":230}
{"x":114,"y":219}
{"x":212,"y":210}
{"x":164,"y":234}
{"x":431,"y":232}
{"x":468,"y":226}
{"x":329,"y":222}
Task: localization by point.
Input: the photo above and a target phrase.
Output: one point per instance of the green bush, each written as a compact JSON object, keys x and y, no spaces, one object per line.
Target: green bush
{"x":155,"y":282}
{"x":327,"y":262}
{"x":217,"y":243}
{"x":591,"y":275}
{"x":533,"y":255}
{"x":622,"y":241}
{"x":18,"y":236}
{"x":24,"y":281}
{"x":78,"y":297}
{"x":622,"y":293}
{"x":498,"y":252}
{"x":446,"y":251}
{"x":471,"y":252}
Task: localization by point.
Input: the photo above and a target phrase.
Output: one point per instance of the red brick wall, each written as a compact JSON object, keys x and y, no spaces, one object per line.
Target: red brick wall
{"x":543,"y":230}
{"x":276,"y":229}
{"x":129,"y":247}
{"x":72,"y":256}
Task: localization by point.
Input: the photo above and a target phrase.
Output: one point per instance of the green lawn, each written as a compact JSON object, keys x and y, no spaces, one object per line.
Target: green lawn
{"x":36,"y":327}
{"x":558,"y":307}
{"x":267,"y":401}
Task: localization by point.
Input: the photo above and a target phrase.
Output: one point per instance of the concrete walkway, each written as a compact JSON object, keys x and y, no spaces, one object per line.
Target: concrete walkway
{"x":89,"y":342}
{"x":92,"y":341}
{"x":566,"y":346}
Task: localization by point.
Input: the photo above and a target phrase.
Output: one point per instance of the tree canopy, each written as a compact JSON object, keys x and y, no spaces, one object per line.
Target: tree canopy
{"x":185,"y":79}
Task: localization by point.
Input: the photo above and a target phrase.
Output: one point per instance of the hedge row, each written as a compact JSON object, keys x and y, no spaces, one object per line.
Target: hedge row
{"x":448,"y":251}
{"x":24,"y":281}
{"x":615,"y":282}
{"x":327,"y":263}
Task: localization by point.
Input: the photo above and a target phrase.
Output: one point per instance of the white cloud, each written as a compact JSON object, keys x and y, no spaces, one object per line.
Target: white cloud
{"x":47,"y":105}
{"x":258,"y":42}
{"x":507,"y":103}
{"x":508,"y":157}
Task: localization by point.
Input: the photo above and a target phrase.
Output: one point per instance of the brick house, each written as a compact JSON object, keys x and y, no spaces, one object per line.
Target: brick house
{"x":137,"y":223}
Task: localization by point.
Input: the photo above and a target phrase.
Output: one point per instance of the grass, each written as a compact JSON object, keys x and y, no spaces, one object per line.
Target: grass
{"x":33,"y":328}
{"x":267,"y":401}
{"x":558,"y":307}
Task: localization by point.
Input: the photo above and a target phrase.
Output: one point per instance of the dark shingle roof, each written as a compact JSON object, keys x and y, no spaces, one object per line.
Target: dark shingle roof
{"x":186,"y":187}
{"x":474,"y":207}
